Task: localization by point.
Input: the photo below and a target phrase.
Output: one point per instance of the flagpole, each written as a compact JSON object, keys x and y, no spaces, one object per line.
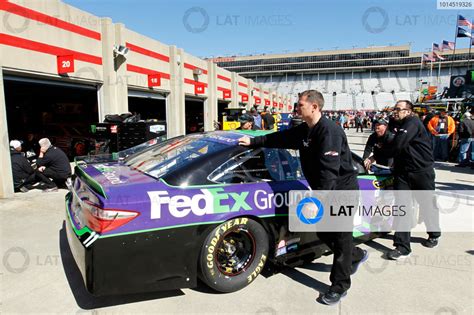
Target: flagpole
{"x":469,"y":58}
{"x":454,"y":50}
{"x":431,"y":72}
{"x":421,"y":69}
{"x":439,"y":72}
{"x":470,"y":45}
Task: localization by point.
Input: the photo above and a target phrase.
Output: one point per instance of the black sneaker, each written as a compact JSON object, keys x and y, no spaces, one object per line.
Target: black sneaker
{"x":331,"y":298}
{"x":396,"y":254}
{"x":431,"y":242}
{"x":356,"y":265}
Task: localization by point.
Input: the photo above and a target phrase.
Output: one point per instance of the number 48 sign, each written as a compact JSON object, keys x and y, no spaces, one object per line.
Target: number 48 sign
{"x":65,"y":64}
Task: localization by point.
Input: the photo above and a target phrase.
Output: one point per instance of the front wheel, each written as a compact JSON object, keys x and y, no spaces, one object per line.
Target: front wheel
{"x":233,"y":254}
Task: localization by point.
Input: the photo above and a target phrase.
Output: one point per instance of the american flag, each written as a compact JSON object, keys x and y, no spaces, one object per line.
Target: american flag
{"x":427,"y":57}
{"x":462,"y":21}
{"x":435,"y":47}
{"x":438,"y":56}
{"x":447,"y":45}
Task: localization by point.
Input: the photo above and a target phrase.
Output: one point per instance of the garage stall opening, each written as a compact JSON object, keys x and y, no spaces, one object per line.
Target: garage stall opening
{"x":148,"y":105}
{"x":62,"y":112}
{"x":194,"y":114}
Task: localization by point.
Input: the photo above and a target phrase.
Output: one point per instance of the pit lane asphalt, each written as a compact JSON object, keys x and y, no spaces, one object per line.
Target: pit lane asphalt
{"x":38,"y":274}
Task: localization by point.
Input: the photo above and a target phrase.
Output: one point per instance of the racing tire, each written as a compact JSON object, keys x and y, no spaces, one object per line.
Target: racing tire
{"x":233,"y":254}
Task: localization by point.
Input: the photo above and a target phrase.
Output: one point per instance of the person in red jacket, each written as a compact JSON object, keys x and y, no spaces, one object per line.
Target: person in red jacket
{"x":442,"y":127}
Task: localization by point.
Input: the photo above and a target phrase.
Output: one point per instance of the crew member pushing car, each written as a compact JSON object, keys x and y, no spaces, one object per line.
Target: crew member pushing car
{"x":326,"y":161}
{"x":413,"y":170}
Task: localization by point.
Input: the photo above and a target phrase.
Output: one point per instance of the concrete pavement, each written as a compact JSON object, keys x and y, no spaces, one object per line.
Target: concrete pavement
{"x":39,"y":276}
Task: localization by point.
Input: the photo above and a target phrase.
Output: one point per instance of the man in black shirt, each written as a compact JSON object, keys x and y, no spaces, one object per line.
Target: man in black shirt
{"x":466,"y":140}
{"x":268,"y":119}
{"x":413,"y":170}
{"x":326,"y":161}
{"x":373,"y":151}
{"x":427,"y":117}
{"x":52,"y":163}
{"x":23,"y":173}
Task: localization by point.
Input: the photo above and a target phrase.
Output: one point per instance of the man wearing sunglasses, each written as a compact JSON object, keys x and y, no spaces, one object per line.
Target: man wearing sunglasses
{"x":413,"y":170}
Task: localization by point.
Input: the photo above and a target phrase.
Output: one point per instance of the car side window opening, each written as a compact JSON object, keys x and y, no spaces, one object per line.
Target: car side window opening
{"x":258,"y":165}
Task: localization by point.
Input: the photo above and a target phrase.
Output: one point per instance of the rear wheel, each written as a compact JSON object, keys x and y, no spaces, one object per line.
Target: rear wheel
{"x":233,"y":254}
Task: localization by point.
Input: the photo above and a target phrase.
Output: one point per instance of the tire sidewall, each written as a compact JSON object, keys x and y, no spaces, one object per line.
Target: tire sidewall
{"x":211,"y":274}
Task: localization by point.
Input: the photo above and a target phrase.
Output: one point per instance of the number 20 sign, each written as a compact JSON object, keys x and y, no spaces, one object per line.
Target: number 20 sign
{"x":65,"y":64}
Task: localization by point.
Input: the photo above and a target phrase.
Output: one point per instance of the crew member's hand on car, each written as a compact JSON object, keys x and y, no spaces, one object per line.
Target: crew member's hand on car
{"x":368,"y":162}
{"x":41,"y":168}
{"x":245,"y":141}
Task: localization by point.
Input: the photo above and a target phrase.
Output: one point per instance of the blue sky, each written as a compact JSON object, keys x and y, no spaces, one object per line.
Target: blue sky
{"x":224,"y":28}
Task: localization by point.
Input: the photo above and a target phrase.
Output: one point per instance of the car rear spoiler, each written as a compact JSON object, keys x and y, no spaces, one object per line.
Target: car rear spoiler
{"x":79,"y":172}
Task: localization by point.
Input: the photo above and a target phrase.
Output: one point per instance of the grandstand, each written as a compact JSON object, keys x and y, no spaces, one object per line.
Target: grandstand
{"x":362,"y":79}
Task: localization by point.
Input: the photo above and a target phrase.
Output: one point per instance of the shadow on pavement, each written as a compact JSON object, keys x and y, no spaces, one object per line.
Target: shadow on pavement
{"x":377,"y":246}
{"x":450,"y":167}
{"x":305,"y":279}
{"x":321,"y":267}
{"x":87,"y":301}
{"x":203,"y":288}
{"x":453,"y":186}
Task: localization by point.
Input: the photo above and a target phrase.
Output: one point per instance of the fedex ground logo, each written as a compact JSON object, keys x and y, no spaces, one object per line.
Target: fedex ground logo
{"x":209,"y":201}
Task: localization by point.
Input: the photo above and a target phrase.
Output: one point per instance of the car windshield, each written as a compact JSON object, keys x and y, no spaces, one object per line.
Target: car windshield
{"x":174,"y":153}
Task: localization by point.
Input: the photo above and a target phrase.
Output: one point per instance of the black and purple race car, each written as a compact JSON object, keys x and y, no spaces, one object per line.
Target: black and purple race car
{"x":192,"y":206}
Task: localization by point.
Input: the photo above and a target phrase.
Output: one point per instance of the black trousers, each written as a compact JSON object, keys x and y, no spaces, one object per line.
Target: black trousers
{"x":58,"y":180}
{"x":359,"y":126}
{"x":26,"y":182}
{"x":415,"y":181}
{"x":345,"y":254}
{"x":344,"y":251}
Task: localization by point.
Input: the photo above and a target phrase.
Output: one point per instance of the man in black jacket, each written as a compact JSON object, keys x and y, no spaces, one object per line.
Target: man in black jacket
{"x":23,"y":173}
{"x":466,"y":140}
{"x":373,"y":151}
{"x":268,"y":120}
{"x":413,"y":170}
{"x":52,"y":163}
{"x":326,"y":161}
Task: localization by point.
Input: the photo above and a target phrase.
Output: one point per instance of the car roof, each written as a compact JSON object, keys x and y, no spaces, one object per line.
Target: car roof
{"x":231,"y":137}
